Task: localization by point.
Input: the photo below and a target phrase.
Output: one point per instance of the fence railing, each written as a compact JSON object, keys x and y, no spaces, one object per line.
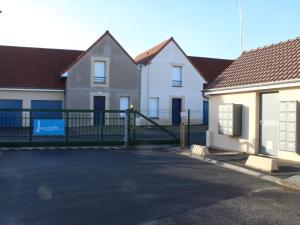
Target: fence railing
{"x":52,"y":127}
{"x":165,"y":117}
{"x":27,"y":127}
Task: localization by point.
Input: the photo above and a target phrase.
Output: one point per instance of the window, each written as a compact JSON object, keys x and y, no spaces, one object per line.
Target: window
{"x":177,"y":76}
{"x":99,"y":72}
{"x":153,"y":108}
{"x":124,"y":103}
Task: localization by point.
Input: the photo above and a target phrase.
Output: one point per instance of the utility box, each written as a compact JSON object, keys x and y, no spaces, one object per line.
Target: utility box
{"x":230,"y":119}
{"x":289,"y":126}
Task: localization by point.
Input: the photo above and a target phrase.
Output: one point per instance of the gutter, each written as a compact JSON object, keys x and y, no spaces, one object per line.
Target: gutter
{"x":255,"y":87}
{"x":31,"y":89}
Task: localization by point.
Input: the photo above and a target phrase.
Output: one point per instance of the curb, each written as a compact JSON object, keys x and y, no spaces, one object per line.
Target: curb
{"x":262,"y":176}
{"x":61,"y":148}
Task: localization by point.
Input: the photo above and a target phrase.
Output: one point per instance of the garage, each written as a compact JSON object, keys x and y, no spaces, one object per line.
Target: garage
{"x":10,"y":118}
{"x":49,"y":105}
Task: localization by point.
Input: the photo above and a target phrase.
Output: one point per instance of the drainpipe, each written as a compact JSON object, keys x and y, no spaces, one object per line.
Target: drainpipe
{"x":148,"y":89}
{"x":140,"y":67}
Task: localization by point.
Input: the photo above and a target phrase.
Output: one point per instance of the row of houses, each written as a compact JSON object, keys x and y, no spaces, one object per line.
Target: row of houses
{"x":105,"y":76}
{"x":253,"y":100}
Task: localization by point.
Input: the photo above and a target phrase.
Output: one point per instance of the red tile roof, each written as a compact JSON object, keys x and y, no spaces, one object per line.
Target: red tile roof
{"x":210,"y":68}
{"x":277,"y":62}
{"x":147,"y":56}
{"x":23,"y":67}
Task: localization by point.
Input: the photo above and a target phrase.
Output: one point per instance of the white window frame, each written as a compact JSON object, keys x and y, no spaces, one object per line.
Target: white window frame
{"x":100,"y":79}
{"x":92,"y":69}
{"x":120,"y":106}
{"x":124,"y":97}
{"x":154,"y":114}
{"x":176,"y":82}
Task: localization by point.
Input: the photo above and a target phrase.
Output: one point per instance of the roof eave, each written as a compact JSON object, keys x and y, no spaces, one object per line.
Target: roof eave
{"x":254,"y":87}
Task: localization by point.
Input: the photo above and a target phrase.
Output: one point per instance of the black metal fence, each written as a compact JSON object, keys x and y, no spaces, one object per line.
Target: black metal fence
{"x":22,"y":127}
{"x":194,"y":121}
{"x":63,"y":127}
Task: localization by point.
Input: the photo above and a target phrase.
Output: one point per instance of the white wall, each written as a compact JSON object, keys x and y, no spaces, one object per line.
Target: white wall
{"x":157,"y":82}
{"x":249,"y":140}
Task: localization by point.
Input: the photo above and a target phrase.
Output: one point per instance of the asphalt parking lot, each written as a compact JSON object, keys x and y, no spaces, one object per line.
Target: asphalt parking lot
{"x":87,"y":187}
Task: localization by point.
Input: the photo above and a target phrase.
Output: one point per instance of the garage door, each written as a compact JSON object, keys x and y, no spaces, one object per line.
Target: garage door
{"x":46,"y":104}
{"x":10,"y":118}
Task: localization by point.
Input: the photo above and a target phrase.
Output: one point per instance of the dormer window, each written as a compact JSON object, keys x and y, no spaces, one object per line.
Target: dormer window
{"x":176,"y":76}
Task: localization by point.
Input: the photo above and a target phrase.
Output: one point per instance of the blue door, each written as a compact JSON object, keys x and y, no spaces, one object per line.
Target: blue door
{"x":46,"y":104}
{"x":99,"y":105}
{"x":176,"y":111}
{"x":10,"y":118}
{"x":205,"y":112}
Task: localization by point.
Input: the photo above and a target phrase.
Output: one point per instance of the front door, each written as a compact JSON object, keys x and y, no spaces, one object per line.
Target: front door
{"x":269,"y":123}
{"x":176,"y":110}
{"x":99,"y":106}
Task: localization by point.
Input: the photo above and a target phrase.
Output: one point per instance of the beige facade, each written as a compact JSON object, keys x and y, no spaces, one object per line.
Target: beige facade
{"x":27,"y":95}
{"x":122,"y":77}
{"x":248,"y":141}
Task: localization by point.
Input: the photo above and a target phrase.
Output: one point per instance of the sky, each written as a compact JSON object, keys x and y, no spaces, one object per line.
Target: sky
{"x":207,"y":28}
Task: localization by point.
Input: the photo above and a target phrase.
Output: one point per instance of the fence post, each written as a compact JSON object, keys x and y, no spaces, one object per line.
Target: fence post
{"x":188,"y":128}
{"x":102,"y":122}
{"x":30,"y":126}
{"x":182,"y":135}
{"x":126,"y":128}
{"x":134,"y":125}
{"x":67,"y":126}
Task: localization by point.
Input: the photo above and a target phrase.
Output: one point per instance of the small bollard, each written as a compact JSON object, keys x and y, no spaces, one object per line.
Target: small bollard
{"x":182,"y":136}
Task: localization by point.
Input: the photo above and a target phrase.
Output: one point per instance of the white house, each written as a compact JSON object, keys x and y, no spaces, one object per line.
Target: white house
{"x":171,"y":83}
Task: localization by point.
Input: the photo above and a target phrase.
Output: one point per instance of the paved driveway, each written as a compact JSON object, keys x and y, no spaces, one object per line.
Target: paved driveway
{"x":87,"y":187}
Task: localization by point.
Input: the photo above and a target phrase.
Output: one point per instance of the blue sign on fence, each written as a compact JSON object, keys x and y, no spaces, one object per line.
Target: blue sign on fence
{"x":48,"y":127}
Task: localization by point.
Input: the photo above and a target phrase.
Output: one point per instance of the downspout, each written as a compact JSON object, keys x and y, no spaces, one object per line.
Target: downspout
{"x":140,"y":67}
{"x":148,"y":90}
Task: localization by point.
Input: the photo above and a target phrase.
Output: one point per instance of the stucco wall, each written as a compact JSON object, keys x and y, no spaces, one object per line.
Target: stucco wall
{"x":249,"y":140}
{"x":27,"y":96}
{"x":157,"y":82}
{"x":123,"y":78}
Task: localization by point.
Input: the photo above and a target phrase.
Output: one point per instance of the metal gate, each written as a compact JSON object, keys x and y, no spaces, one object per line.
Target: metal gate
{"x":143,"y":130}
{"x":41,"y":127}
